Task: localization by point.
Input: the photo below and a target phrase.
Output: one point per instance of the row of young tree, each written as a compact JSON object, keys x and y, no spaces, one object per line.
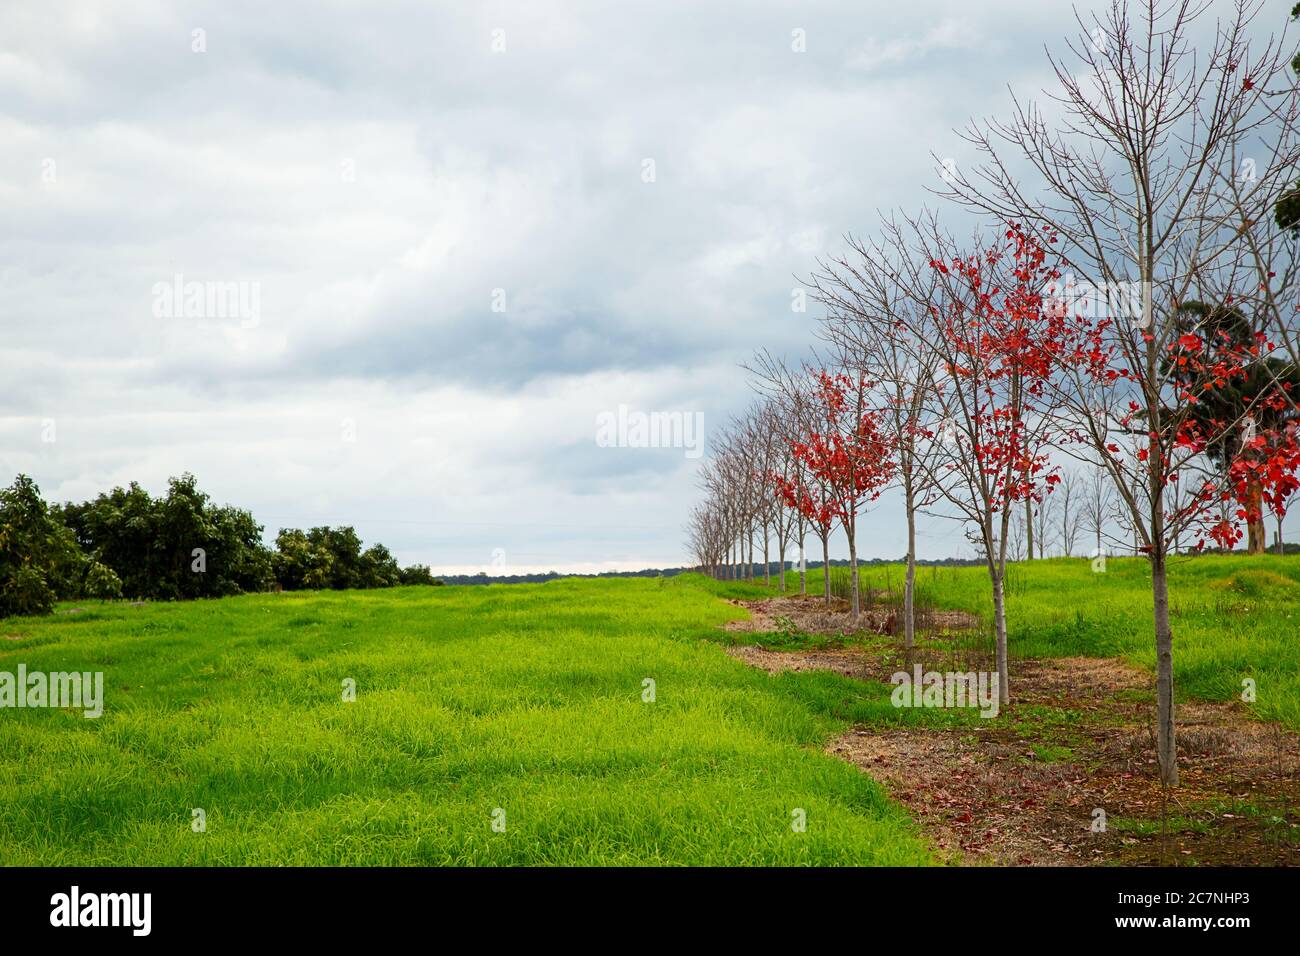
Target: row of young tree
{"x":127,"y":543}
{"x":1120,"y":327}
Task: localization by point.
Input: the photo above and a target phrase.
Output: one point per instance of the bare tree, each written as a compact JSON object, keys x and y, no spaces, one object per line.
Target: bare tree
{"x":759,"y":453}
{"x":706,"y":537}
{"x":1098,"y":506}
{"x":1042,"y":518}
{"x":781,"y":466}
{"x":1016,"y":536}
{"x":1068,"y":495}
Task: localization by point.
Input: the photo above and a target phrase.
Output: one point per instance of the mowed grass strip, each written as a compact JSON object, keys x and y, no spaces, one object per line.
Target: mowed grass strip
{"x":523,"y":698}
{"x":1234,"y":617}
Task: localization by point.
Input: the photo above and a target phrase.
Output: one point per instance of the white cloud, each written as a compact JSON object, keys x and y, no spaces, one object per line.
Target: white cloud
{"x":950,"y":33}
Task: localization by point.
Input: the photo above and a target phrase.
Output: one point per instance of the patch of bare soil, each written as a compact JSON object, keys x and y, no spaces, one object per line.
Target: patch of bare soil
{"x":811,"y":615}
{"x":803,"y":613}
{"x":1066,"y":775}
{"x":849,"y":661}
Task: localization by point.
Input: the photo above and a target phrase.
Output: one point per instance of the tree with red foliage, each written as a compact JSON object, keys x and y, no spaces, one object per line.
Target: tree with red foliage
{"x":1262,"y":474}
{"x":989,"y":416}
{"x":805,"y":494}
{"x":848,"y":456}
{"x":1260,"y":397}
{"x":1283,"y":488}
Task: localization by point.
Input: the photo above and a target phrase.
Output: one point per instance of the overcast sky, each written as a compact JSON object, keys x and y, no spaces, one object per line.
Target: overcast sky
{"x":462,"y":231}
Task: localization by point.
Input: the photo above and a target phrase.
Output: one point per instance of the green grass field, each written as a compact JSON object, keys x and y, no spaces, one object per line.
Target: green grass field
{"x":526,"y":698}
{"x":529,"y":699}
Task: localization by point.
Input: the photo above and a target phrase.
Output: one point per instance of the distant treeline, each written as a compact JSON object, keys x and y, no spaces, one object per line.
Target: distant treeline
{"x":127,"y":543}
{"x":537,"y":578}
{"x":774,"y":567}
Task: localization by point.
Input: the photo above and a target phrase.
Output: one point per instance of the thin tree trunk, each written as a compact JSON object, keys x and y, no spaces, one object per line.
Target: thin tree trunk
{"x":909,"y":589}
{"x":1029,"y":529}
{"x":826,"y":566}
{"x":803,"y":570}
{"x":767,"y":562}
{"x":782,"y":542}
{"x":1256,"y":533}
{"x":1166,"y":747}
{"x":1000,"y":630}
{"x":855,"y":602}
